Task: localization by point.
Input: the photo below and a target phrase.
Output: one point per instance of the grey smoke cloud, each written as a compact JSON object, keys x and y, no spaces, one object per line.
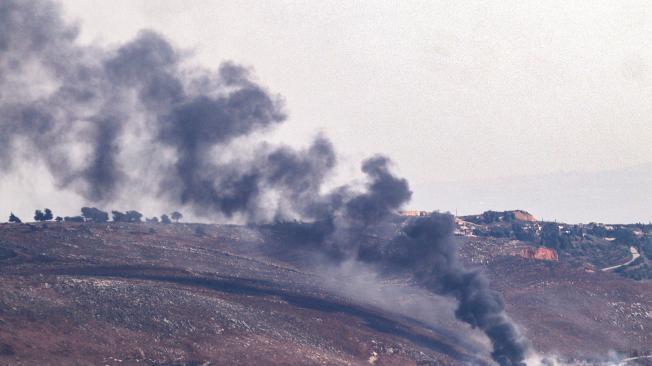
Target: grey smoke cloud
{"x":81,"y":109}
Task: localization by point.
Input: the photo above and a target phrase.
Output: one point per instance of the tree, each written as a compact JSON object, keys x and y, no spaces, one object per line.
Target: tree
{"x":14,"y":218}
{"x":153,"y":220}
{"x":58,"y":219}
{"x":523,"y":233}
{"x":129,"y":216}
{"x":95,"y":215}
{"x":39,"y":216}
{"x":118,"y":216}
{"x":552,"y":237}
{"x":176,"y":216}
{"x":133,"y":216}
{"x":165,"y":219}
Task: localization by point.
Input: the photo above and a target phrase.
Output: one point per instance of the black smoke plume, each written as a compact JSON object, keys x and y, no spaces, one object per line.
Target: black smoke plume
{"x":89,"y":114}
{"x":425,"y":248}
{"x":422,"y":248}
{"x":385,"y":193}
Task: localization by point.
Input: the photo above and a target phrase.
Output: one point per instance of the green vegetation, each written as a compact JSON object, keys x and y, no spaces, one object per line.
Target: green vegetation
{"x":553,"y":237}
{"x":599,"y":245}
{"x":641,"y":269}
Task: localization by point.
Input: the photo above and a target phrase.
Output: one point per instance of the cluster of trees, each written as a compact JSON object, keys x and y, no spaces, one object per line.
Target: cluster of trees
{"x":14,"y":218}
{"x":514,"y":229}
{"x":43,"y":216}
{"x":490,"y":217}
{"x":92,"y":214}
{"x":553,"y":237}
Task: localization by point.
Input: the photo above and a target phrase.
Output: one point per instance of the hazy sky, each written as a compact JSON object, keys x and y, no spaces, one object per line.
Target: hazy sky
{"x":451,"y":91}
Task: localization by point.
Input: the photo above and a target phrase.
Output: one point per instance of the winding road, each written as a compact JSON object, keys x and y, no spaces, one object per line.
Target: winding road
{"x":635,"y":256}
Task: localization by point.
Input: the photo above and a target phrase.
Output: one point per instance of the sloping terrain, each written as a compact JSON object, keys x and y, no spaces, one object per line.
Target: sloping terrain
{"x":564,"y":309}
{"x":116,"y":294}
{"x":162,"y":295}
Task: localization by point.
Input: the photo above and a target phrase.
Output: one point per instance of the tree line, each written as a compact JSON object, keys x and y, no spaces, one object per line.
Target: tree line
{"x":92,"y":214}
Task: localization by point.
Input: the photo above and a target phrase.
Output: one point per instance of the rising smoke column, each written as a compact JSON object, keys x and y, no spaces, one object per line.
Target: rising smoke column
{"x":425,"y":248}
{"x":384,"y":195}
{"x":79,"y":110}
{"x":92,"y":105}
{"x":54,"y":93}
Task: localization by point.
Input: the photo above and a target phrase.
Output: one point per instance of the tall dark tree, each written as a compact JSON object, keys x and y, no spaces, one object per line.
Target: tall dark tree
{"x":14,"y":218}
{"x":39,"y":216}
{"x":176,"y":216}
{"x":165,"y":219}
{"x":552,"y":237}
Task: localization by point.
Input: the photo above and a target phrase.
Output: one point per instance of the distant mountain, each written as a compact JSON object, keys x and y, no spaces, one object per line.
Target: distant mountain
{"x":613,"y":196}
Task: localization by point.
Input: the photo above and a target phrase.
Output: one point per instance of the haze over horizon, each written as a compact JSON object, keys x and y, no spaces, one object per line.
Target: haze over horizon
{"x":467,"y":93}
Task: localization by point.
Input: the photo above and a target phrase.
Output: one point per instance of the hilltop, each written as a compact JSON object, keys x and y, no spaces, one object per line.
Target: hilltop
{"x":592,"y":246}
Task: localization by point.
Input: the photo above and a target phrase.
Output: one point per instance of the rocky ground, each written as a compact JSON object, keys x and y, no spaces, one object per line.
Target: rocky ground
{"x":564,"y":308}
{"x":146,"y":294}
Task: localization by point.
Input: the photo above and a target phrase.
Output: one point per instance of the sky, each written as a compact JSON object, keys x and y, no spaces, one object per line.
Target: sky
{"x":471,"y":100}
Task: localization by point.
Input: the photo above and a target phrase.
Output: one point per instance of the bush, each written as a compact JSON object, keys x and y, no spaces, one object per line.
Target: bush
{"x":523,"y":234}
{"x":499,"y":232}
{"x":642,"y":272}
{"x":40,"y":216}
{"x":14,"y":218}
{"x":95,"y":215}
{"x":73,"y":219}
{"x":551,"y":237}
{"x":129,"y":216}
{"x":176,"y":216}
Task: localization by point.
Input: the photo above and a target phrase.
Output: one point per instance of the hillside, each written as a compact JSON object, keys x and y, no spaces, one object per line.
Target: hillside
{"x":116,"y":294}
{"x":592,"y":246}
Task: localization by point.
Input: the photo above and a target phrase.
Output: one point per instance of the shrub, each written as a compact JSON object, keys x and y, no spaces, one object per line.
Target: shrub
{"x":14,"y":218}
{"x":176,"y":216}
{"x":95,"y":215}
{"x":129,"y":216}
{"x":73,"y":219}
